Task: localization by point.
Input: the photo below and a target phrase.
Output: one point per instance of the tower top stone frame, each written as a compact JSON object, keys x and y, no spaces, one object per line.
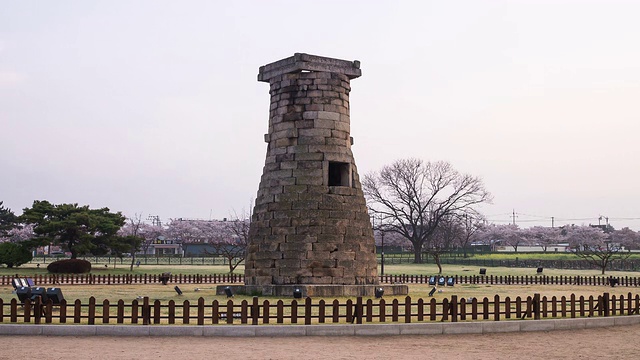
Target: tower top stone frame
{"x":304,"y":62}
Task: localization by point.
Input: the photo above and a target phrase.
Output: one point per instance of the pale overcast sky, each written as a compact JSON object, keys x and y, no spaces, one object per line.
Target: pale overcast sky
{"x":152,"y":107}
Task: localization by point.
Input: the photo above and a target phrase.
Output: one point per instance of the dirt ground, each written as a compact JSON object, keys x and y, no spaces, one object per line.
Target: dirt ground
{"x":604,"y":343}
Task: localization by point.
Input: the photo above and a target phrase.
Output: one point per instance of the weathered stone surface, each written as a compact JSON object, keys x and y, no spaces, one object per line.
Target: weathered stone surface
{"x":310,"y":223}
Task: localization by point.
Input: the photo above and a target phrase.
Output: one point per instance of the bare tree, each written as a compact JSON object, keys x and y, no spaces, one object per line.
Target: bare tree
{"x":443,"y":238}
{"x":471,"y":225}
{"x":412,"y":197}
{"x":234,"y":248}
{"x":133,"y":232}
{"x":231,"y":239}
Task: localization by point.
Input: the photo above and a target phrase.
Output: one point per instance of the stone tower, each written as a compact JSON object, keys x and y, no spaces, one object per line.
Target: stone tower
{"x":310,"y":224}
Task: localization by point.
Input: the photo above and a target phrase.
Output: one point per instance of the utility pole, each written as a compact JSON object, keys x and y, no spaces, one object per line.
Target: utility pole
{"x":552,"y":218}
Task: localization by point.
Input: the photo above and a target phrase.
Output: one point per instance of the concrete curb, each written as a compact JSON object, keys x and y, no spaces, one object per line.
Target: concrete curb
{"x":425,"y":328}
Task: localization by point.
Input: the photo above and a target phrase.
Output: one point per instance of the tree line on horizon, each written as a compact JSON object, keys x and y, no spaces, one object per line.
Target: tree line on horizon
{"x":428,"y":205}
{"x":83,"y":231}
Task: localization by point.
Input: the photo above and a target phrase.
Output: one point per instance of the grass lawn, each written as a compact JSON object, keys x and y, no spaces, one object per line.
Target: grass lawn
{"x":390,"y":269}
{"x":164,"y":293}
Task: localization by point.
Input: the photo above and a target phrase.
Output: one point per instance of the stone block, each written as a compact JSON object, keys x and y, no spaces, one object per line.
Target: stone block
{"x":318,"y":132}
{"x":302,"y":101}
{"x":229,"y":331}
{"x":462,"y":328}
{"x":308,"y":172}
{"x":283,"y":230}
{"x":325,"y":246}
{"x":288,"y":165}
{"x":327,"y":124}
{"x":343,"y":135}
{"x":309,"y":156}
{"x":377,"y":329}
{"x":341,"y":256}
{"x":307,"y":222}
{"x":318,"y":259}
{"x":570,"y":324}
{"x":281,"y":222}
{"x":330,"y":229}
{"x":626,"y":320}
{"x":19,"y":329}
{"x":304,"y":205}
{"x":292,"y":214}
{"x":72,"y":330}
{"x":349,"y":264}
{"x":296,"y":246}
{"x":330,"y":272}
{"x":266,"y":263}
{"x":335,"y":141}
{"x":286,"y":197}
{"x":500,"y":326}
{"x":287,"y":263}
{"x":268,"y":255}
{"x":421,"y":328}
{"x":279,"y":330}
{"x":295,"y":149}
{"x":309,"y":180}
{"x":306,"y":238}
{"x":265,"y":271}
{"x":294,"y":255}
{"x":295,"y":188}
{"x":308,"y":230}
{"x":599,"y":322}
{"x":320,"y":214}
{"x":182,"y":330}
{"x":537,"y":325}
{"x":304,"y":124}
{"x":330,"y":330}
{"x":312,"y":140}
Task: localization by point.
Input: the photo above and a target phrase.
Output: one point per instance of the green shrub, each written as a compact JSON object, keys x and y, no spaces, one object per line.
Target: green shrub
{"x":69,"y":266}
{"x":12,"y":254}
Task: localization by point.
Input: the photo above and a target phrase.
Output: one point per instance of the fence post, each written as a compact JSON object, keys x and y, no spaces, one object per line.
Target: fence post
{"x":37,"y":309}
{"x":146,"y":318}
{"x":445,"y":310}
{"x":605,"y":304}
{"x":357,"y":314}
{"x":454,"y":308}
{"x":307,"y":311}
{"x":255,"y":311}
{"x":536,"y":306}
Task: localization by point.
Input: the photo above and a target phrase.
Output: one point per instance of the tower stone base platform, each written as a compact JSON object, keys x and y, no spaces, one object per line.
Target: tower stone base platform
{"x":314,"y":290}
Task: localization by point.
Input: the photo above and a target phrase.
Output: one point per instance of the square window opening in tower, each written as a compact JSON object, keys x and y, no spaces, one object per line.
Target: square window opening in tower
{"x":339,"y":174}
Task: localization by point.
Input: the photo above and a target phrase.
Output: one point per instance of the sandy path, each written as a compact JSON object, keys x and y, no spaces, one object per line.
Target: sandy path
{"x":605,"y":343}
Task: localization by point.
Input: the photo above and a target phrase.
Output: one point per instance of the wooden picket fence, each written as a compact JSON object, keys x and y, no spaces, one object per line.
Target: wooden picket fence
{"x":120,"y":279}
{"x":307,"y":311}
{"x":124,"y":279}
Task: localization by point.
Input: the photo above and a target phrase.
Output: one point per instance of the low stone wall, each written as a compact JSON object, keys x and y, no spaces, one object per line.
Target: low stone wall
{"x":478,"y":327}
{"x":314,"y":290}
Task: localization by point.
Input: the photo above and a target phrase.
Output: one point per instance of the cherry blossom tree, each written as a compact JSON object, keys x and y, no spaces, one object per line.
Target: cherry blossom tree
{"x":233,"y":246}
{"x":543,"y":236}
{"x":19,"y":234}
{"x":504,"y":234}
{"x":145,"y":234}
{"x":597,"y":247}
{"x":226,"y":238}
